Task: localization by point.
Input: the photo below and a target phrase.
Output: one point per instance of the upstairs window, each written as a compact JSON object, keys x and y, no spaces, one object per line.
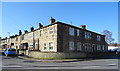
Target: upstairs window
{"x":78,"y":32}
{"x":22,"y":38}
{"x":51,"y":30}
{"x":87,"y":35}
{"x":78,"y":46}
{"x":71,"y":45}
{"x":40,"y":32}
{"x":98,"y":38}
{"x":16,"y":39}
{"x":71,"y":31}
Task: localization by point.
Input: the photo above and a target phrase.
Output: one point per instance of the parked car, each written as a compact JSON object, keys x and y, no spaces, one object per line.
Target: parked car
{"x":10,"y":51}
{"x":116,"y":49}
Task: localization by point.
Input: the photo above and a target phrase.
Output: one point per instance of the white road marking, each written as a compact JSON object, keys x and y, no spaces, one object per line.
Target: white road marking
{"x":112,"y":64}
{"x":12,"y":66}
{"x":91,"y":67}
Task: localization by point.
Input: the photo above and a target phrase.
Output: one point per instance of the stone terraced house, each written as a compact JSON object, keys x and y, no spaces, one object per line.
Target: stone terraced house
{"x":58,"y":40}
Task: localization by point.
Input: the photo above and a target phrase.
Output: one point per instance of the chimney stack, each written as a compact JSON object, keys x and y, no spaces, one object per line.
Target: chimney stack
{"x":52,"y":20}
{"x":83,"y":27}
{"x":20,"y":32}
{"x":32,"y":29}
{"x":25,"y":31}
{"x":16,"y":35}
{"x":40,"y":25}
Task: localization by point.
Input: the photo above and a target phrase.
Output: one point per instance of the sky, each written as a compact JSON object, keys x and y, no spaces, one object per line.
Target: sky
{"x":97,"y":16}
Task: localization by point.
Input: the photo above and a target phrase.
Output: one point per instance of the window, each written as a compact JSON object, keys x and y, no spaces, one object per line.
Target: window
{"x":85,"y":46}
{"x":40,"y":32}
{"x":87,"y":35}
{"x":106,"y":47}
{"x":71,"y":31}
{"x":12,"y":50}
{"x":51,"y":46}
{"x":36,"y":45}
{"x":16,"y":39}
{"x":51,"y":30}
{"x":45,"y":30}
{"x":22,"y":38}
{"x":98,"y":38}
{"x":103,"y":47}
{"x":78,"y":46}
{"x":78,"y":32}
{"x":45,"y":46}
{"x":71,"y":45}
{"x":12,"y":44}
{"x":89,"y":47}
{"x":98,"y":47}
{"x":30,"y":35}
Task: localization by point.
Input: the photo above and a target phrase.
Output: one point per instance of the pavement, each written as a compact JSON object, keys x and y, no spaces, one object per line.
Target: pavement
{"x":69,"y":60}
{"x":53,"y":60}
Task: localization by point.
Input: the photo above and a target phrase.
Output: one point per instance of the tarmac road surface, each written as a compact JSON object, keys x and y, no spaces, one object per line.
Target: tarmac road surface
{"x":17,"y":63}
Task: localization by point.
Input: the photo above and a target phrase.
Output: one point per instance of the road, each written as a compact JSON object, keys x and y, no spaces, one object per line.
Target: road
{"x":17,"y":63}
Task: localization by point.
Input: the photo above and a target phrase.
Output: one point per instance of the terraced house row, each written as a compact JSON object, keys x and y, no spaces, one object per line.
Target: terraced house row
{"x":57,"y":37}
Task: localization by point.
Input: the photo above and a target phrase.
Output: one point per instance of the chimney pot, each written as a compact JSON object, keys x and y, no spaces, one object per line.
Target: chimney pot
{"x":20,"y":32}
{"x":52,"y":20}
{"x":40,"y":25}
{"x":32,"y":29}
{"x":25,"y":31}
{"x":83,"y":27}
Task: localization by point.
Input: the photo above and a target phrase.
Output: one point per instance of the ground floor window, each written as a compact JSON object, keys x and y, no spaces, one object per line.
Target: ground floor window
{"x":106,"y":47}
{"x":88,"y":47}
{"x":98,"y":47}
{"x":71,"y":45}
{"x":51,"y":46}
{"x":45,"y":46}
{"x":85,"y":45}
{"x":78,"y":46}
{"x":103,"y":47}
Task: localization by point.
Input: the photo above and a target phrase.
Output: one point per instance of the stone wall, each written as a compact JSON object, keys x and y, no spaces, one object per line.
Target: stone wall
{"x":56,"y":55}
{"x":21,"y":52}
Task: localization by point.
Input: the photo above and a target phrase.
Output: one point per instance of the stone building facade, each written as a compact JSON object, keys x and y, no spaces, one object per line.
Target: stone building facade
{"x":75,"y":39}
{"x":57,"y":37}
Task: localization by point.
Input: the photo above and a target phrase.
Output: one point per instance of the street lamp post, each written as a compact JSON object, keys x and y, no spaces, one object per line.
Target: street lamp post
{"x":9,"y":34}
{"x":9,"y":39}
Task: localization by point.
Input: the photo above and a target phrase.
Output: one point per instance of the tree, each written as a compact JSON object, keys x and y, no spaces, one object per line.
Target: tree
{"x":108,"y":36}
